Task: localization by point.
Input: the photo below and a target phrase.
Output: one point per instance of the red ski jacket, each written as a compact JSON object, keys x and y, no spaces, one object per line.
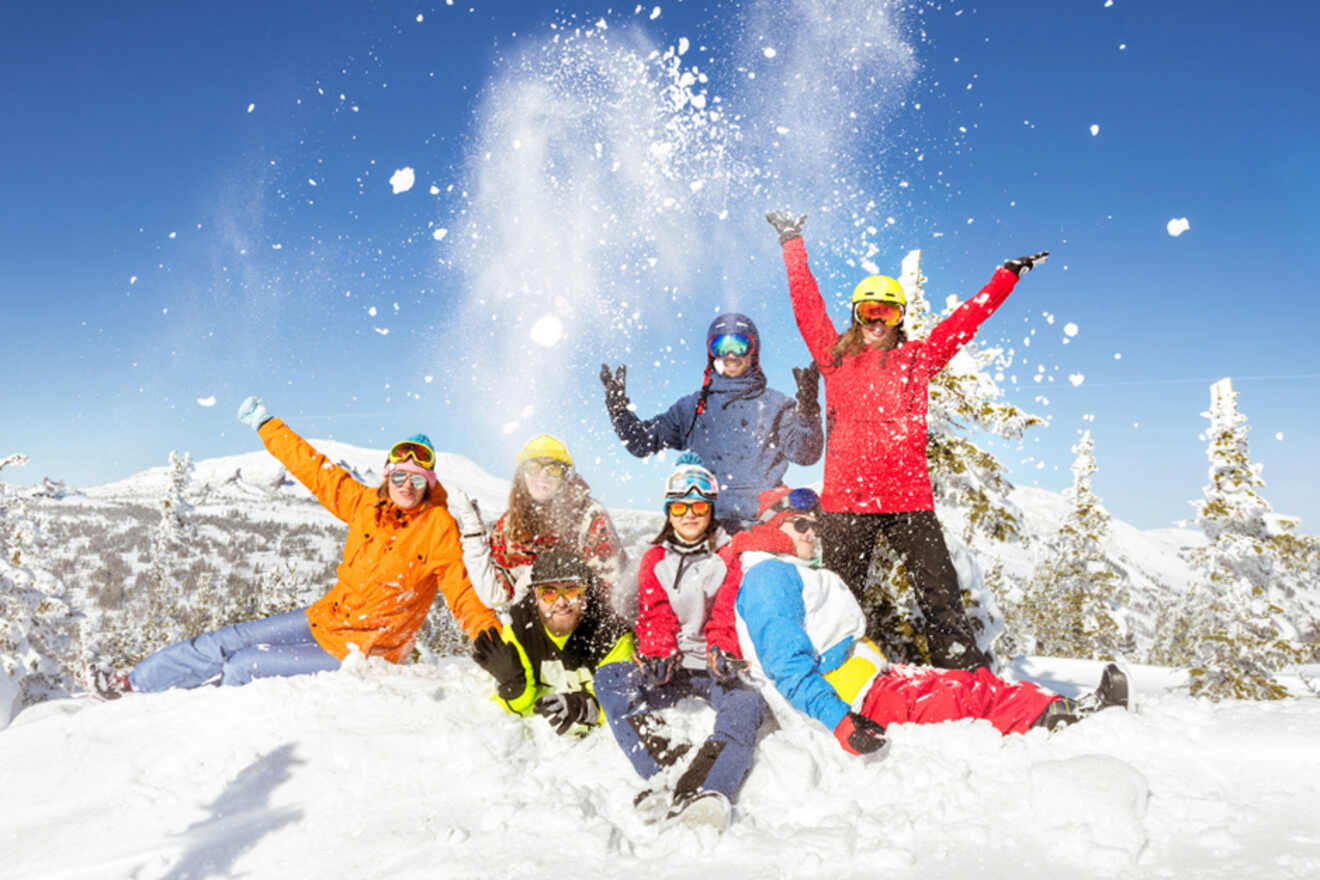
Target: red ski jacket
{"x":876,"y":401}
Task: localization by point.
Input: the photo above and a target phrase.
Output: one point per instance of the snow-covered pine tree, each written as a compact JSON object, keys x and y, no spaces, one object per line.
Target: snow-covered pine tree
{"x":966,"y":479}
{"x":157,"y":609}
{"x":37,"y":622}
{"x":1249,"y":606}
{"x":176,"y":532}
{"x":1074,"y":592}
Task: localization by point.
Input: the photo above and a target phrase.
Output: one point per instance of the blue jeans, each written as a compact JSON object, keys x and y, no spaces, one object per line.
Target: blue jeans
{"x":622,"y":692}
{"x":236,"y":654}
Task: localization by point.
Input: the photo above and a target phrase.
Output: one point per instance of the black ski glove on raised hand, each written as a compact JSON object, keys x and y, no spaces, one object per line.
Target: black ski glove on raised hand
{"x":565,"y":710}
{"x":859,"y":735}
{"x":808,"y":383}
{"x":788,"y":226}
{"x":1022,"y":265}
{"x":616,"y":394}
{"x":501,"y":660}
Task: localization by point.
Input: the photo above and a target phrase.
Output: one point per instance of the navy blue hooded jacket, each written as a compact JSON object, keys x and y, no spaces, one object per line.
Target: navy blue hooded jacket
{"x":746,"y":433}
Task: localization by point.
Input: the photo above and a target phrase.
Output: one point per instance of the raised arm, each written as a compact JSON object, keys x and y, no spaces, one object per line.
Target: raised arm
{"x":333,"y":486}
{"x":808,"y":307}
{"x":957,"y":330}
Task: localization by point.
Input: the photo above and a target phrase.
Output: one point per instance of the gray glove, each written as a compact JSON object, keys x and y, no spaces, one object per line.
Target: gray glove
{"x":1022,"y":265}
{"x":786,"y":225}
{"x":253,"y":413}
{"x":565,"y":710}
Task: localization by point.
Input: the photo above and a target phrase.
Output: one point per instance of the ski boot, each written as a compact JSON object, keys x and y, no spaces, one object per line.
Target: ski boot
{"x":1112,"y":692}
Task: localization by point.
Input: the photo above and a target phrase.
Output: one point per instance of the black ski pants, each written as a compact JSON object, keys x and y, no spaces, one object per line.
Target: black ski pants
{"x":848,"y":541}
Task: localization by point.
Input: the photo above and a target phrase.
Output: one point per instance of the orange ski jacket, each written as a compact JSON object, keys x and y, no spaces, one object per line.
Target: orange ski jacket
{"x":395,"y":560}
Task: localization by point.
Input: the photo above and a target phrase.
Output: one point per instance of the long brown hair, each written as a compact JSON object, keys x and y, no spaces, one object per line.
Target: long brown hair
{"x":525,"y":519}
{"x":851,"y":342}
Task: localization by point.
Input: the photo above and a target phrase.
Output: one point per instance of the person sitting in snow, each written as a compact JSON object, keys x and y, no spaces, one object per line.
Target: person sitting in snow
{"x":679,"y":578}
{"x":745,"y":432}
{"x":402,"y":548}
{"x":550,"y":505}
{"x":561,"y":631}
{"x":802,"y":634}
{"x":876,"y":479}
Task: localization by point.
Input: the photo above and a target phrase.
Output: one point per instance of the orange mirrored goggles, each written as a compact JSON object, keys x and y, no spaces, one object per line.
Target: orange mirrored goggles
{"x":423,"y":455}
{"x":698,"y":508}
{"x":875,"y":312}
{"x":572,"y":593}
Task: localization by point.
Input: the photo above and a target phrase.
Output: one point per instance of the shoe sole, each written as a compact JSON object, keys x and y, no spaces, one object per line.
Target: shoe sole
{"x":1116,"y":685}
{"x":704,"y":812}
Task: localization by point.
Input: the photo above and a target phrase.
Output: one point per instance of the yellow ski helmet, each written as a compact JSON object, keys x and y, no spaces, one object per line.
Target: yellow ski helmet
{"x":879,"y":288}
{"x":545,"y":446}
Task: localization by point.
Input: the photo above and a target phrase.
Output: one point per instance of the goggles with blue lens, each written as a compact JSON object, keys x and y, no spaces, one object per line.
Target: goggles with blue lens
{"x":799,"y":501}
{"x":731,"y":345}
{"x":692,"y":481}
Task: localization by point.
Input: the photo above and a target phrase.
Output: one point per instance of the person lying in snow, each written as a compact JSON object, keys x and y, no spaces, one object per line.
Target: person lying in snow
{"x":802,"y":634}
{"x":560,"y":633}
{"x":550,"y":505}
{"x":402,"y":548}
{"x":744,"y":431}
{"x":876,"y":478}
{"x":679,"y":578}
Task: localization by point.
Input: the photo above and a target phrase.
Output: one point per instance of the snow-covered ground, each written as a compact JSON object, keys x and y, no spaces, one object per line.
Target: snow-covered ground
{"x":401,"y":772}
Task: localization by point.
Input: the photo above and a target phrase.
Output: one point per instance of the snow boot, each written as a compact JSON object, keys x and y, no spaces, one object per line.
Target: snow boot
{"x":105,"y":684}
{"x":1113,"y":692}
{"x":705,"y":809}
{"x":1114,"y":689}
{"x":693,"y":804}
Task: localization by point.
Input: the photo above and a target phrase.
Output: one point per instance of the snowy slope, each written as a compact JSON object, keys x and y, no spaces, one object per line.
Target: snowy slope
{"x":410,"y":772}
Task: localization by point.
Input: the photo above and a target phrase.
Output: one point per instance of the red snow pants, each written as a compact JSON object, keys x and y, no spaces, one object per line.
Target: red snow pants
{"x":922,"y":695}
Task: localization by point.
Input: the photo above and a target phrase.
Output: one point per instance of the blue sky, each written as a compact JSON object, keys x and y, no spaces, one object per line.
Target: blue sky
{"x":199,"y":206}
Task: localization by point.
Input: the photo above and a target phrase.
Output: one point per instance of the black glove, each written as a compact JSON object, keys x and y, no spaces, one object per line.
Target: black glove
{"x":808,"y":382}
{"x":1022,"y":265}
{"x":786,"y":225}
{"x":658,"y":670}
{"x":565,"y":710}
{"x":859,"y":735}
{"x":616,"y":395}
{"x":501,"y":660}
{"x":723,"y":666}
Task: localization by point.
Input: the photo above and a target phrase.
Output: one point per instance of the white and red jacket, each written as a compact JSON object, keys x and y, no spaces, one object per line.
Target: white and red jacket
{"x":676,"y":587}
{"x":876,"y":401}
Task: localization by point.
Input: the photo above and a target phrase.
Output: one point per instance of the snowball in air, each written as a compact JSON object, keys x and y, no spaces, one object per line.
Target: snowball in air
{"x":251,"y":107}
{"x":548,"y":331}
{"x":1095,"y":130}
{"x":769,"y":52}
{"x":206,"y":401}
{"x":1070,"y":329}
{"x":1077,"y":379}
{"x":1178,"y":226}
{"x":439,"y":234}
{"x":402,"y":180}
